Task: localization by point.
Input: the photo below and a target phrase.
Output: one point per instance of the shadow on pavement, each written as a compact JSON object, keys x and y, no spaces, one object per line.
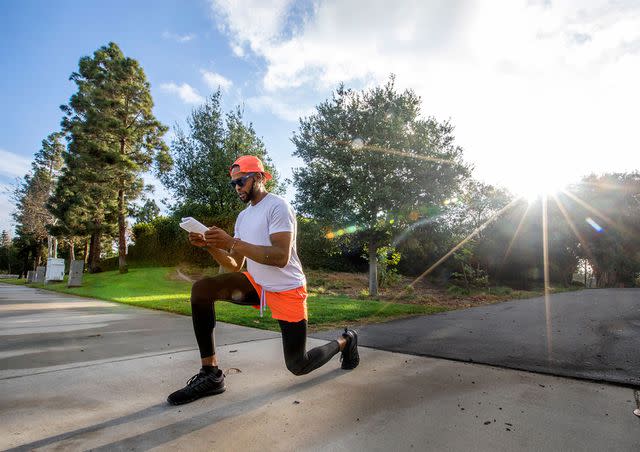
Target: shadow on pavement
{"x":167,"y":433}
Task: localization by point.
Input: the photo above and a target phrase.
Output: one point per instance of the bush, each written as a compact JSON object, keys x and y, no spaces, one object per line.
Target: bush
{"x":388,"y":259}
{"x":470,"y":276}
{"x":316,"y":251}
{"x":315,"y":282}
{"x":162,"y":242}
{"x":409,"y":289}
{"x":458,"y":291}
{"x":109,"y":264}
{"x":500,"y":290}
{"x":336,"y":284}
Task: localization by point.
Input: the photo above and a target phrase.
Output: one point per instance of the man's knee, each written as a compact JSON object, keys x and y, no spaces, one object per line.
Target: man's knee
{"x":296,"y":367}
{"x":208,"y":290}
{"x":198,"y":286}
{"x":200,"y":292}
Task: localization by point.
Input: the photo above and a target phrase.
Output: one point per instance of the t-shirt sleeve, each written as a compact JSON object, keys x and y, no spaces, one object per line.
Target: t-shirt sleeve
{"x":282,"y":219}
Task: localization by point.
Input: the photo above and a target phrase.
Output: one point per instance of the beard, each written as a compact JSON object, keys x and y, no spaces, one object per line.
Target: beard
{"x":250,"y":195}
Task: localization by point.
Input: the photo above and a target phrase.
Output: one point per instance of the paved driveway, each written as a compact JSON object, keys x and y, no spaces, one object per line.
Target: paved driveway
{"x":593,"y":334}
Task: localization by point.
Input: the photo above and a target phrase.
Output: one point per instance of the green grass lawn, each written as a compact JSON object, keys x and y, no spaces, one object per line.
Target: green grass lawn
{"x":152,"y":288}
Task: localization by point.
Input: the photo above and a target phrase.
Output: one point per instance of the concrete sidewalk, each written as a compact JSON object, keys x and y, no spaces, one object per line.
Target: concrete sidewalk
{"x":80,"y":374}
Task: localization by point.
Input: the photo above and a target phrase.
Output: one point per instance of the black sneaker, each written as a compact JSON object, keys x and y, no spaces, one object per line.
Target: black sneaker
{"x":200,"y":385}
{"x":350,"y":357}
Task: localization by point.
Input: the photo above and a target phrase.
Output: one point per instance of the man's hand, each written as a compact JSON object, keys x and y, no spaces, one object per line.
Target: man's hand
{"x":217,"y":238}
{"x":197,"y":239}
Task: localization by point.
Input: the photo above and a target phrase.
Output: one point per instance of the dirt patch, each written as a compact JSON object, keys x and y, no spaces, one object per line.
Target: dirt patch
{"x":406,"y":290}
{"x":355,"y":285}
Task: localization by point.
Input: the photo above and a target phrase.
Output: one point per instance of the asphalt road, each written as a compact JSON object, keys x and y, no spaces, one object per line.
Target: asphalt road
{"x":591,"y":334}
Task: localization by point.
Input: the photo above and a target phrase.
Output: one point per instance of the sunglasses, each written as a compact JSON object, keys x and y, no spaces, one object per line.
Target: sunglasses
{"x":241,"y":180}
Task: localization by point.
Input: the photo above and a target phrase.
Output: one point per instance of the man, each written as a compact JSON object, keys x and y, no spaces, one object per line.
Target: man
{"x":265,"y":235}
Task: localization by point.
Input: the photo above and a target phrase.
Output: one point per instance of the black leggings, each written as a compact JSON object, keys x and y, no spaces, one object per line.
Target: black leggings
{"x":236,"y":288}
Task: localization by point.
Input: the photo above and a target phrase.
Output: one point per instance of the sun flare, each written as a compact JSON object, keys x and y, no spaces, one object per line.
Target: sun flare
{"x":539,"y":187}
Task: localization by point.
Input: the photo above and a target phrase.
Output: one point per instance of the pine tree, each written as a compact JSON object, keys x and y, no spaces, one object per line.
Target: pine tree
{"x":32,"y":216}
{"x":111,"y":117}
{"x":6,"y":251}
{"x":84,"y":202}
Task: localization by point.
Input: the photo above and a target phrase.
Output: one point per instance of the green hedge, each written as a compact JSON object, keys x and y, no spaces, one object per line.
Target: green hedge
{"x":162,"y":242}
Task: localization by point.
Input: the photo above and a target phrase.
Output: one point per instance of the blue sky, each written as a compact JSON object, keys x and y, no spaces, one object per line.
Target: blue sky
{"x":540,"y":92}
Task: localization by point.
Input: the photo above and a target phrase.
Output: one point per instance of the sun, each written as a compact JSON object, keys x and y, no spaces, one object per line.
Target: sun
{"x":536,"y":188}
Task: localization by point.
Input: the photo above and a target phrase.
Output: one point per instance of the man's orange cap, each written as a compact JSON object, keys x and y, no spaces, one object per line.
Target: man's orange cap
{"x":250,"y":164}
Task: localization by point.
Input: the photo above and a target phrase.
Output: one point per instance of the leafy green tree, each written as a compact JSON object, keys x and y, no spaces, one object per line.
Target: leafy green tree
{"x":317,"y":251}
{"x":113,"y":109}
{"x":202,"y":157}
{"x":475,"y":204}
{"x":7,"y":254}
{"x":30,"y":197}
{"x":512,"y":247}
{"x":84,"y":201}
{"x":371,"y":161}
{"x":5,"y":238}
{"x":147,"y":212}
{"x":606,"y":212}
{"x":467,"y":215}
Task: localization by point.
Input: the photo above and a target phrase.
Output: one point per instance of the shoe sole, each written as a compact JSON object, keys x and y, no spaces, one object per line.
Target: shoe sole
{"x":193,"y":399}
{"x":354,"y":348}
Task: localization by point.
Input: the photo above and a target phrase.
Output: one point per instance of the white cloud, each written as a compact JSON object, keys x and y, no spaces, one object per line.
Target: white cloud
{"x":186,"y":92}
{"x":178,"y":37}
{"x":537,"y":90}
{"x":281,"y":109}
{"x":255,"y":23}
{"x":13,"y":165}
{"x":214,"y":80}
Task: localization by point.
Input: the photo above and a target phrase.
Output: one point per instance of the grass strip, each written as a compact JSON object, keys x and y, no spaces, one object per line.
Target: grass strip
{"x":153,"y":288}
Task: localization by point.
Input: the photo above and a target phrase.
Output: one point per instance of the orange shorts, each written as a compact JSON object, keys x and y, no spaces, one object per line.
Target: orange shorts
{"x":290,"y":305}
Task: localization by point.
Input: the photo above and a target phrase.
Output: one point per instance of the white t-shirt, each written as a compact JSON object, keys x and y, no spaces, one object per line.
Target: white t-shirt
{"x":254,"y":225}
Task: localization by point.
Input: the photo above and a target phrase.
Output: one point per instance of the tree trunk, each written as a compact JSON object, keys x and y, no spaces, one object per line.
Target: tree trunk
{"x":94,"y":253}
{"x":464,"y":274}
{"x":86,"y":252}
{"x":122,"y":221}
{"x":38,"y":256}
{"x":72,"y":251}
{"x":122,"y":228}
{"x":25,"y":264}
{"x":373,"y":268}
